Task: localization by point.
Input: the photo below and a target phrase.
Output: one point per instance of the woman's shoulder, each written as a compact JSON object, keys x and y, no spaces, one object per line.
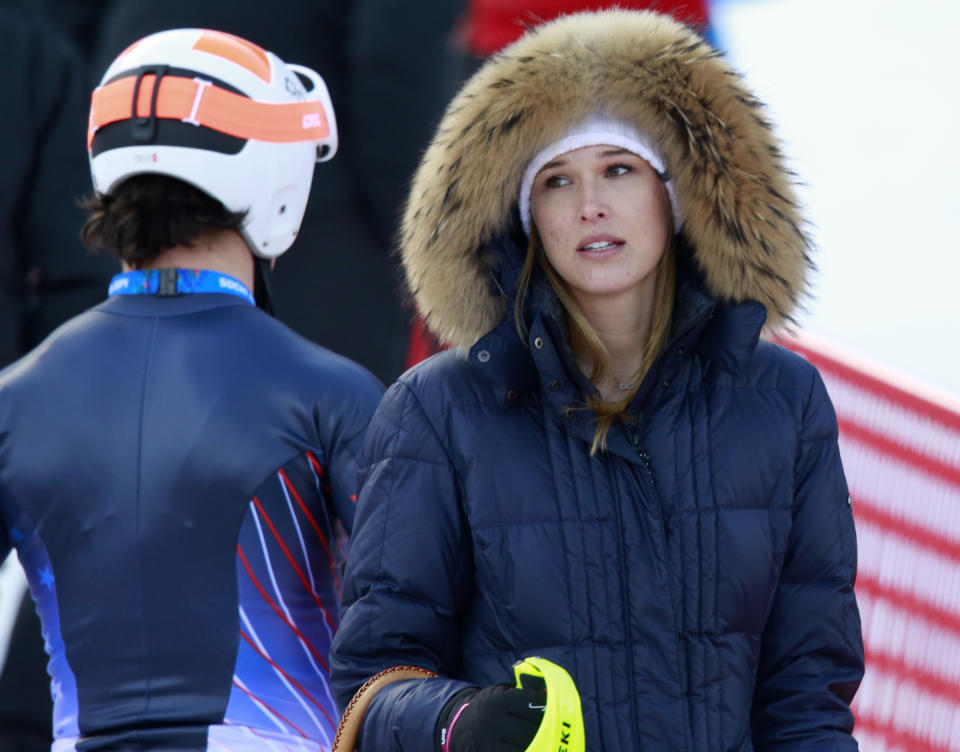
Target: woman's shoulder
{"x":774,"y":366}
{"x":444,"y":370}
{"x":442,"y":381}
{"x":446,"y":364}
{"x":796,"y":382}
{"x":443,"y":397}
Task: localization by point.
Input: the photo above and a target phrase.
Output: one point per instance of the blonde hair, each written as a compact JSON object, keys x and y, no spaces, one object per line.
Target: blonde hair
{"x":583,"y":335}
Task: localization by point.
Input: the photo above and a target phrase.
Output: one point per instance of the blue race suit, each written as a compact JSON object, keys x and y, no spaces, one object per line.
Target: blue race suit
{"x":176,"y":474}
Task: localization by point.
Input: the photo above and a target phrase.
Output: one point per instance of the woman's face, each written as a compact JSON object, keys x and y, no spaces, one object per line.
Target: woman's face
{"x":602,"y":214}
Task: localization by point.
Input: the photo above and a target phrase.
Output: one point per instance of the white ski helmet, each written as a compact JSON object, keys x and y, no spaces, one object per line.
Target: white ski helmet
{"x":222,"y":114}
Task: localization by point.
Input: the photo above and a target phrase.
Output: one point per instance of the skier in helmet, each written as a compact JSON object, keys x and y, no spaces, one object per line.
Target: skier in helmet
{"x":177,"y":467}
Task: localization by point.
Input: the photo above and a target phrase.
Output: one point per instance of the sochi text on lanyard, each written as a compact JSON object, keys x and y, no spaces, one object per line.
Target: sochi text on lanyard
{"x":177,"y":282}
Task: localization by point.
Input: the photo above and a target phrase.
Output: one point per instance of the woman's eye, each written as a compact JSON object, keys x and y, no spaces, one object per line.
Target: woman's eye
{"x":554,"y":181}
{"x":618,"y":169}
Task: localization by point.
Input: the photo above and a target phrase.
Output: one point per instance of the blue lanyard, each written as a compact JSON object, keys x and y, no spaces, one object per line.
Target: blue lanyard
{"x":177,"y":282}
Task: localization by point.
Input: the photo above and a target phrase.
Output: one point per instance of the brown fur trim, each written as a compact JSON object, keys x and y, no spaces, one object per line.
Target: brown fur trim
{"x":740,"y":215}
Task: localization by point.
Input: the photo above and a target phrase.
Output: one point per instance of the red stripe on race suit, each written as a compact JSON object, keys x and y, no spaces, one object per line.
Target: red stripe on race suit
{"x":293,"y":563}
{"x":279,"y":612}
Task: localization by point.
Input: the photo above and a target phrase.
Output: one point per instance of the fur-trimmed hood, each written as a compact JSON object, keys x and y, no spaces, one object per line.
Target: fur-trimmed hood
{"x":740,"y":217}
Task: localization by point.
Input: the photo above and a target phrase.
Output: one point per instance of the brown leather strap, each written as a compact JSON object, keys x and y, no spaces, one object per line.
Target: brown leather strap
{"x":349,"y":728}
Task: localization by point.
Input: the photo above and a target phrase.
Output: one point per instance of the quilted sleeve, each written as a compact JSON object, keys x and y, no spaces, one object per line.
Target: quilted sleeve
{"x":812,"y":653}
{"x":408,"y":573}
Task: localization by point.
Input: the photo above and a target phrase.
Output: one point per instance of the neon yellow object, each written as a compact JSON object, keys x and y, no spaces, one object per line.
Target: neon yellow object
{"x":561,"y":729}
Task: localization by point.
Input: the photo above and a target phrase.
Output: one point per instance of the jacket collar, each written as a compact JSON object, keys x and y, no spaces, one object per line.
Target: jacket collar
{"x":725,"y":334}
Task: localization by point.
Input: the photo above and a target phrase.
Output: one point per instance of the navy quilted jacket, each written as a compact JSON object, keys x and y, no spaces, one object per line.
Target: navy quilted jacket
{"x":696,"y":580}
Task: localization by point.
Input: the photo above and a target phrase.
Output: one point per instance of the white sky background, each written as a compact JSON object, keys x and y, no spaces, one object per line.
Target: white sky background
{"x":866,"y":96}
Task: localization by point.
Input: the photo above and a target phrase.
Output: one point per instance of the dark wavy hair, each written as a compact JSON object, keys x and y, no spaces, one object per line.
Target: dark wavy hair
{"x":148,"y":214}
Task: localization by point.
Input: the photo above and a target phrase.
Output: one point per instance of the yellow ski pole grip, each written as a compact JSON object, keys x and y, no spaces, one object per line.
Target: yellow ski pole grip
{"x":561,"y":729}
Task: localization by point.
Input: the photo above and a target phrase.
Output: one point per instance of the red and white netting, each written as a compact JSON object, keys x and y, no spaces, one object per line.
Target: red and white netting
{"x":900,"y":444}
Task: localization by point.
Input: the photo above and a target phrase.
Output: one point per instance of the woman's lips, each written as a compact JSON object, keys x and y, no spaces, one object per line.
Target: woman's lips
{"x":597,"y":246}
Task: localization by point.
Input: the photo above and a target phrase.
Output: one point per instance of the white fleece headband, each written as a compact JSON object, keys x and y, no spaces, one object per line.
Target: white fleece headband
{"x":596,"y":130}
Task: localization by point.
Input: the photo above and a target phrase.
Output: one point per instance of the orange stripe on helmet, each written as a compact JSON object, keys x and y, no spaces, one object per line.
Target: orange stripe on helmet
{"x":200,"y":102}
{"x":236,"y":50}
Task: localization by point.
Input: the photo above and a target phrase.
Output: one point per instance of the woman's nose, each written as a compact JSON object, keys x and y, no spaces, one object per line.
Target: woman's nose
{"x":592,"y":206}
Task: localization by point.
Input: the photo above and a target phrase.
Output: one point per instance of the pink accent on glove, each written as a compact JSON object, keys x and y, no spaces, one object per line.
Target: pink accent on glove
{"x":446,"y":744}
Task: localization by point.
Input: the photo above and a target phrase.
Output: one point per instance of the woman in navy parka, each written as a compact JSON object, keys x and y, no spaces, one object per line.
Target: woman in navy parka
{"x":611,"y":469}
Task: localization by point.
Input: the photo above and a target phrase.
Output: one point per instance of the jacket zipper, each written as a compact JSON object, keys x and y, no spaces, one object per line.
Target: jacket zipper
{"x":633,"y":436}
{"x":625,"y":597}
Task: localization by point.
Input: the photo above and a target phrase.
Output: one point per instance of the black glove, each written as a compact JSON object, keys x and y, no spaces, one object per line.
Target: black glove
{"x":498,"y":718}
